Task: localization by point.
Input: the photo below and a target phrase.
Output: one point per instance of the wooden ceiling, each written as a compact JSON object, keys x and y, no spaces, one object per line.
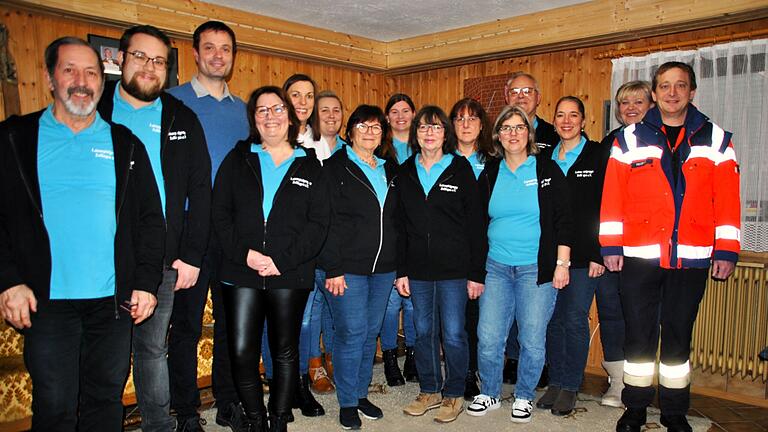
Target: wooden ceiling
{"x":595,"y":22}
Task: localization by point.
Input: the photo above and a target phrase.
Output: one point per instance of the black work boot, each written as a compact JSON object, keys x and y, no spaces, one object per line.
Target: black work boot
{"x":392,"y":369}
{"x":409,"y":368}
{"x":257,"y":422}
{"x":632,"y":420}
{"x":278,"y":423}
{"x":304,"y":400}
{"x":676,"y":423}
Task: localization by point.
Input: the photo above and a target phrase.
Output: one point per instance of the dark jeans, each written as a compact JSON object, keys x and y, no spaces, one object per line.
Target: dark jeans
{"x":568,"y":331}
{"x":246,"y":309}
{"x":186,"y":329}
{"x":651,"y":295}
{"x":610,"y":316}
{"x":77,"y":353}
{"x":150,"y":365}
{"x":438,"y":310}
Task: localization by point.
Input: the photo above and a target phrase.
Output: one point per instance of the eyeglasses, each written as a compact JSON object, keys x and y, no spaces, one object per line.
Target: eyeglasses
{"x":374,"y":129}
{"x":142,"y":59}
{"x":463,"y":119}
{"x":278,"y":110}
{"x":436,"y":128}
{"x":524,"y":91}
{"x":507,"y":129}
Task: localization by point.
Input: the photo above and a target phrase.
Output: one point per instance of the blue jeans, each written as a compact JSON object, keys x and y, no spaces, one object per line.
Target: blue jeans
{"x":610,"y":315}
{"x":568,"y":331}
{"x":438,"y":310}
{"x":317,"y":317}
{"x":150,"y":362}
{"x":511,"y":293}
{"x":357,"y":315}
{"x":392,"y":321}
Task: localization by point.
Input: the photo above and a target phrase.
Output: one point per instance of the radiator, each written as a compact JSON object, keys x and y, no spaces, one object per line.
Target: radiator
{"x":732,"y":326}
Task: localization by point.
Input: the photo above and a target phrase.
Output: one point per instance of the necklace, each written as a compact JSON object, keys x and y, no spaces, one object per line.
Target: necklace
{"x":368,"y":159}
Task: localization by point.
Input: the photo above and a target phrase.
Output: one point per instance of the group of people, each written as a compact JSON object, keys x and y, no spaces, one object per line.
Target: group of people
{"x":122,"y":203}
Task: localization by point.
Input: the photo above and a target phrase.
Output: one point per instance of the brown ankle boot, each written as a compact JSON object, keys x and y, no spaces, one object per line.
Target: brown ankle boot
{"x":329,"y":365}
{"x":321,"y":384}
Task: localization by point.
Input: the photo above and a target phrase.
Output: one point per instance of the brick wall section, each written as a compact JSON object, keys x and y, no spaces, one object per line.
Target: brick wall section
{"x":489,"y":90}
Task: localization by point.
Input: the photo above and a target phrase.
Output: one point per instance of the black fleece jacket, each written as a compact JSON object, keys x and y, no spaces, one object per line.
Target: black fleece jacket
{"x":362,"y":238}
{"x":443,"y":235}
{"x":585,"y":183}
{"x":25,"y":253}
{"x":292,"y":235}
{"x":186,"y":168}
{"x":546,"y":135}
{"x":554,"y":210}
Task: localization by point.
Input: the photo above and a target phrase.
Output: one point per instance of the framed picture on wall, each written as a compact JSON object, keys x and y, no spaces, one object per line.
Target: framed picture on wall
{"x":108,"y":47}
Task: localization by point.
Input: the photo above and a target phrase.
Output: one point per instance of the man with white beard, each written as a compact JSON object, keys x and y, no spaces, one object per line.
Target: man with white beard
{"x":81,"y":245}
{"x":176,"y":146}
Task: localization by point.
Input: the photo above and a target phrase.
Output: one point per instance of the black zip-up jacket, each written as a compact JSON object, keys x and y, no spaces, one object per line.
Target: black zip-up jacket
{"x":294,"y":232}
{"x":362,"y":238}
{"x":443,"y":232}
{"x":546,"y":135}
{"x":186,"y":168}
{"x":554,"y":210}
{"x":585,"y":183}
{"x":25,"y":254}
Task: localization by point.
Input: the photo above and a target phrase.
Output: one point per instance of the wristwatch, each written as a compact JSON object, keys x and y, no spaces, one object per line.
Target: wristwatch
{"x":562,"y":263}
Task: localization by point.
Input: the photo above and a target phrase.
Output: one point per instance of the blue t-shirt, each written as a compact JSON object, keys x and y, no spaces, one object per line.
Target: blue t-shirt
{"x":570,"y":157}
{"x":77,"y":190}
{"x":376,"y":176}
{"x":144,"y":122}
{"x":272,"y":175}
{"x":224,"y":121}
{"x":428,"y":179}
{"x":514,"y":230}
{"x":477,"y":166}
{"x":401,"y":149}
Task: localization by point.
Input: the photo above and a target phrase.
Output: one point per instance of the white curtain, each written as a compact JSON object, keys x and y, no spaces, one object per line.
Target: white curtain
{"x":732,"y":90}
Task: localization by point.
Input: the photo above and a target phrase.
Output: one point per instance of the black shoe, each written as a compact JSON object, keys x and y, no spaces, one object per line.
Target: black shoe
{"x":510,"y":371}
{"x":544,"y":378}
{"x":368,"y":409}
{"x":632,"y":420}
{"x":547,"y":401}
{"x":305,"y":401}
{"x":392,"y":369}
{"x":278,"y":423}
{"x":257,"y":423}
{"x":565,"y":403}
{"x":231,"y":415}
{"x":409,"y":368}
{"x":676,"y":423}
{"x":349,"y":419}
{"x":470,"y":386}
{"x":190,"y":424}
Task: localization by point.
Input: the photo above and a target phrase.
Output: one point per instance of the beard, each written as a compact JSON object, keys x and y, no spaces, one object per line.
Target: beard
{"x":79,"y":109}
{"x":143,"y":94}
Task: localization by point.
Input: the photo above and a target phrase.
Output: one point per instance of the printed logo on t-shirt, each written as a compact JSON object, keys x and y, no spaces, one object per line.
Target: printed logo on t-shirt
{"x":298,"y":181}
{"x":103,"y":153}
{"x":448,"y":188}
{"x":155,"y":128}
{"x":530,"y":182}
{"x":584,"y":173}
{"x":177,"y":135}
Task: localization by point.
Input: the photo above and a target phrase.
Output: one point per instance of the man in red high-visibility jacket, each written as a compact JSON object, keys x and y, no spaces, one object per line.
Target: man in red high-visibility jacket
{"x":670,"y":209}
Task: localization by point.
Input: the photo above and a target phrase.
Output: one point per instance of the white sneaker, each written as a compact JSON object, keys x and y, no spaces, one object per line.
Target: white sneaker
{"x":481,"y":404}
{"x":522,"y":410}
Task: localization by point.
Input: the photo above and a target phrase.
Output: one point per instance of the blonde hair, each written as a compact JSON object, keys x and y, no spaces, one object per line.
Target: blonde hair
{"x":632,"y":88}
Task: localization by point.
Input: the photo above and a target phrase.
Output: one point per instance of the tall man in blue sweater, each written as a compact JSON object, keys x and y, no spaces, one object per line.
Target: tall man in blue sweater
{"x":225,"y":122}
{"x":176,"y":146}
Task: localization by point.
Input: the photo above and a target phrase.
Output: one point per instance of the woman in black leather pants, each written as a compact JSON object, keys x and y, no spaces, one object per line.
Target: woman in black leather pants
{"x":271,"y":214}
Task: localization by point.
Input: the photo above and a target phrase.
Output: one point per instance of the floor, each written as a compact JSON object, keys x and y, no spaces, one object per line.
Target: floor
{"x":725,"y":415}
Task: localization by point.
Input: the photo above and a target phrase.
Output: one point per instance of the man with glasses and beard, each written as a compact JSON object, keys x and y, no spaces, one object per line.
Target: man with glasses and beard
{"x":81,"y":245}
{"x":175,"y":143}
